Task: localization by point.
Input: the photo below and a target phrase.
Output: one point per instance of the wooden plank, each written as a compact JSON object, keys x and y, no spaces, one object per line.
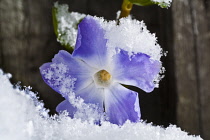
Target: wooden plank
{"x":207,"y":100}
{"x":27,"y":41}
{"x":185,"y":67}
{"x":202,"y":43}
{"x":192,"y":63}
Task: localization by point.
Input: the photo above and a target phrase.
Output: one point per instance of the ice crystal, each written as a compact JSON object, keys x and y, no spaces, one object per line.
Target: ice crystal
{"x":163,"y":3}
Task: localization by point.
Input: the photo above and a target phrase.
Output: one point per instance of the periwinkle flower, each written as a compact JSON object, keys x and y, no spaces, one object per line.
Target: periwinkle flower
{"x":97,"y":77}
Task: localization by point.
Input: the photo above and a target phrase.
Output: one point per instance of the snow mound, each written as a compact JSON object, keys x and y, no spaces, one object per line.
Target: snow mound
{"x":23,"y":117}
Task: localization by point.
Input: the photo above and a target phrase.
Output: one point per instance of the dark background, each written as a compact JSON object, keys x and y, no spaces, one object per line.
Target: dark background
{"x":27,"y":41}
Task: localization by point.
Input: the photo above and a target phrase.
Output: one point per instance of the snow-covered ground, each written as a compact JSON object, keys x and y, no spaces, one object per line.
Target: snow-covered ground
{"x":23,"y":117}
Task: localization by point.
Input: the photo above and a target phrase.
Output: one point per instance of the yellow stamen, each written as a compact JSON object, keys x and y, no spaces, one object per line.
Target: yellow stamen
{"x":102,"y":78}
{"x":104,"y":75}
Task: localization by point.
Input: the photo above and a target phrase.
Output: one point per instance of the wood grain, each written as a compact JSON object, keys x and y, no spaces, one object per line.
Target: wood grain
{"x":192,"y":65}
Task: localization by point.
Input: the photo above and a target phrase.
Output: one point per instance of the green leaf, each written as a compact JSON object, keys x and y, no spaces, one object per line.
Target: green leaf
{"x":150,"y":2}
{"x":55,"y":21}
{"x":65,"y":25}
{"x":57,"y":32}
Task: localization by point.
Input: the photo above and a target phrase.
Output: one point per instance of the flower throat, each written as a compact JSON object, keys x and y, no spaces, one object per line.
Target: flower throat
{"x":102,"y":78}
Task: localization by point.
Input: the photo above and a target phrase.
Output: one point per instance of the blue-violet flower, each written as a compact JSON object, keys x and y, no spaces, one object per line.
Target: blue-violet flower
{"x":97,"y":77}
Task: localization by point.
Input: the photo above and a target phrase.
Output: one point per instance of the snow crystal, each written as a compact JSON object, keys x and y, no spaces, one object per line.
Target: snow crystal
{"x":67,"y":24}
{"x":163,"y":3}
{"x":57,"y":74}
{"x":132,"y":36}
{"x":23,"y":117}
{"x":86,"y":112}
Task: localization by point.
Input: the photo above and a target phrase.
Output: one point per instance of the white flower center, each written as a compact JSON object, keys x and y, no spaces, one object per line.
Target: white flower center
{"x":102,"y":78}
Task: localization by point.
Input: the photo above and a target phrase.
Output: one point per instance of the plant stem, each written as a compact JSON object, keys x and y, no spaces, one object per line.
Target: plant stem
{"x":126,"y":8}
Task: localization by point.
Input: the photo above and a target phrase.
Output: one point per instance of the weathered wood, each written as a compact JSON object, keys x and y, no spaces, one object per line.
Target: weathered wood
{"x":192,"y":66}
{"x":27,"y":41}
{"x":206,"y":125}
{"x":202,"y":44}
{"x":185,"y":67}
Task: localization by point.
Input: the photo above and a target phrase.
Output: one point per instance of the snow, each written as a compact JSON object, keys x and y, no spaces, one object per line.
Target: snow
{"x":57,"y":74}
{"x":86,"y":112}
{"x":67,"y":24}
{"x":133,"y":37}
{"x":130,"y":35}
{"x":163,"y":3}
{"x":23,"y":117}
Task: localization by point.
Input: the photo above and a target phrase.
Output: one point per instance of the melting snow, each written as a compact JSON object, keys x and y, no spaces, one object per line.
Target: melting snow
{"x":23,"y":117}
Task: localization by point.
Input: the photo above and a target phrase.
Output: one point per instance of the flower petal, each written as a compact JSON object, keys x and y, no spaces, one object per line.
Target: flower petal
{"x":66,"y":74}
{"x":137,"y":70}
{"x":121,"y":104}
{"x":92,"y":95}
{"x":90,"y":44}
{"x":65,"y":105}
